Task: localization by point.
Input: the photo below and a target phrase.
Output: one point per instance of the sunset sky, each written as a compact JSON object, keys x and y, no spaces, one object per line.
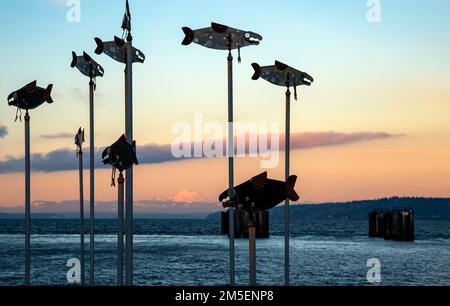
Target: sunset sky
{"x":375,"y":123}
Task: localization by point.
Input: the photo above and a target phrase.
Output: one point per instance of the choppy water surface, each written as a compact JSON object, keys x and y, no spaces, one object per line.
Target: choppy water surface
{"x":189,"y":252}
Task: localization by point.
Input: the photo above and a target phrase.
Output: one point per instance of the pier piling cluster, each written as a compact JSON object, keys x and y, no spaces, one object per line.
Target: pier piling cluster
{"x":396,"y":224}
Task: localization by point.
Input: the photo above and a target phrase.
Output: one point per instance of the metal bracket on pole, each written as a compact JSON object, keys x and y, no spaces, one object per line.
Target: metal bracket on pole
{"x":27,"y":200}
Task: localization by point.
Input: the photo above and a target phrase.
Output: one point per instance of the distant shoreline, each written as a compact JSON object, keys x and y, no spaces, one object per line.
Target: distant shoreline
{"x":425,"y":209}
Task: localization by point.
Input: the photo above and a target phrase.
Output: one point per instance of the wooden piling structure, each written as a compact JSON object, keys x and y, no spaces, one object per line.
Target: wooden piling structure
{"x":396,"y":224}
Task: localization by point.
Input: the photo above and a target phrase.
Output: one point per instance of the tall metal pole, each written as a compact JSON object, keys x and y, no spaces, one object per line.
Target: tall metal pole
{"x":231,"y":163}
{"x":120,"y":230}
{"x":287,"y":174}
{"x":129,"y":173}
{"x":80,"y":161}
{"x":252,"y":251}
{"x":92,"y":180}
{"x":27,"y":199}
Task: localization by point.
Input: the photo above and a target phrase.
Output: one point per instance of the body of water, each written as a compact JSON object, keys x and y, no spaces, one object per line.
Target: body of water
{"x":190,"y":252}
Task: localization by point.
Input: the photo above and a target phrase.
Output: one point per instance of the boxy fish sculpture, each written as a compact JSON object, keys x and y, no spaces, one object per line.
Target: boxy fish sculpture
{"x":117,"y":50}
{"x":260,"y":193}
{"x":282,"y":75}
{"x":221,"y":37}
{"x":87,"y":66}
{"x":30,"y":96}
{"x":121,"y":155}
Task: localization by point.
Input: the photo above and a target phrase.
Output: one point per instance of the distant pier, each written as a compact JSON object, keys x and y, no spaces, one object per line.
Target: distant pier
{"x":241,"y":224}
{"x":396,"y":224}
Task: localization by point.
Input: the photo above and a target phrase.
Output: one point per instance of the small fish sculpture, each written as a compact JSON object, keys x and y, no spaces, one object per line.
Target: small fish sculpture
{"x":30,"y":96}
{"x":86,"y":65}
{"x":117,"y":50}
{"x":282,"y":75}
{"x":79,"y":140}
{"x":121,"y":155}
{"x":260,"y":193}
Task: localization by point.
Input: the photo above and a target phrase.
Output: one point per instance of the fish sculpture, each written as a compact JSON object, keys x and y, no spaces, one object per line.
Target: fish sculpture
{"x":117,"y":50}
{"x":221,"y":37}
{"x":30,"y":96}
{"x":79,"y":140}
{"x":121,"y":156}
{"x":86,"y":65}
{"x":260,"y":193}
{"x":282,"y":75}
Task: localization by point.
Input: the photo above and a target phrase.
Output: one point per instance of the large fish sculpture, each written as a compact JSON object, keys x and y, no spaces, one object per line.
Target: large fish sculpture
{"x":121,"y":155}
{"x":117,"y":50}
{"x":282,"y":75}
{"x":30,"y":96}
{"x":260,"y":193}
{"x":86,"y":65}
{"x":221,"y":37}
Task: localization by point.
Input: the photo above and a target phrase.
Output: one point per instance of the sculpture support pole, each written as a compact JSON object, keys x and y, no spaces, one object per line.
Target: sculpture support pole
{"x":120,"y":231}
{"x":27,"y":199}
{"x":80,"y":161}
{"x":231,"y":163}
{"x":129,"y":173}
{"x":92,"y":180}
{"x":252,"y":251}
{"x":287,"y":173}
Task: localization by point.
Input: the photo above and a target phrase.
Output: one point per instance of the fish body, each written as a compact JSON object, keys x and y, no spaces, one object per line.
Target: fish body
{"x":261,"y":193}
{"x":121,"y":155}
{"x":79,"y":138}
{"x":221,"y":37}
{"x":117,"y":50}
{"x":30,"y":96}
{"x":86,"y":65}
{"x":282,"y":75}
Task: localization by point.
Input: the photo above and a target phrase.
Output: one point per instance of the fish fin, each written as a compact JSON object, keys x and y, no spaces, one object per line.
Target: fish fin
{"x":74,"y":60}
{"x":219,"y":28}
{"x":189,"y":36}
{"x":31,"y":86}
{"x":290,"y":192}
{"x":257,"y":73}
{"x":259,"y":180}
{"x":100,"y":46}
{"x":119,"y":42}
{"x":86,"y":57}
{"x":281,"y":66}
{"x":48,"y":92}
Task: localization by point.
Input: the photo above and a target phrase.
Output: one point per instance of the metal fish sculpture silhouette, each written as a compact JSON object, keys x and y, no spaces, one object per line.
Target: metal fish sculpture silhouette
{"x":117,"y":50}
{"x":79,"y":140}
{"x":30,"y":97}
{"x":282,"y":75}
{"x":261,"y":193}
{"x":221,"y":37}
{"x":121,"y":155}
{"x":86,"y":65}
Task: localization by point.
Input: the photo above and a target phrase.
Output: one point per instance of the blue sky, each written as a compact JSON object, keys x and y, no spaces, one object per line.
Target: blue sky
{"x":388,"y":77}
